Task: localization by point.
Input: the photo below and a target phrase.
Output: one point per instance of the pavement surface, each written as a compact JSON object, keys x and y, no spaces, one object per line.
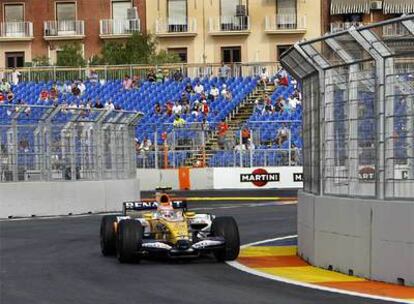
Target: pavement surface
{"x":58,"y":261}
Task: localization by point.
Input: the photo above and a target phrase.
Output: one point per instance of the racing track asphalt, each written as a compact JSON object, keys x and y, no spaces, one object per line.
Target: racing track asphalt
{"x":58,"y":261}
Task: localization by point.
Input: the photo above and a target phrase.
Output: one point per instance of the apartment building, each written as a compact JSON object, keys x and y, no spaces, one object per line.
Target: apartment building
{"x":33,"y":28}
{"x":338,"y":15}
{"x":232,"y":30}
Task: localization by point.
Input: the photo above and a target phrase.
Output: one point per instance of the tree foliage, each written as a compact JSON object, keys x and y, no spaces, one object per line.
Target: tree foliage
{"x":70,"y":55}
{"x":137,"y":49}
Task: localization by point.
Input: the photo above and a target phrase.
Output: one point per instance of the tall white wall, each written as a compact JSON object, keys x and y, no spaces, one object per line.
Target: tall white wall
{"x":374,"y":239}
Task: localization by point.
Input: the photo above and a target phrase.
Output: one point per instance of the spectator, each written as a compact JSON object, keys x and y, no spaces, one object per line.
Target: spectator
{"x":195,"y":108}
{"x":264,"y":78}
{"x":177,"y":109}
{"x":93,"y":77}
{"x":67,"y":88}
{"x":10,"y":96}
{"x":224,"y":90}
{"x":166,"y":74}
{"x":240,"y":147}
{"x":293,"y":101}
{"x":109,"y":106}
{"x":184,"y":97}
{"x":1,"y":98}
{"x":16,"y":77}
{"x":245,"y":134}
{"x":75,"y":90}
{"x":82,"y":87}
{"x":214,"y":92}
{"x":185,"y":108}
{"x":282,"y":79}
{"x":221,"y":134}
{"x":4,"y":86}
{"x":250,"y":145}
{"x":178,"y":122}
{"x":287,"y":106}
{"x":98,"y":104}
{"x":44,"y":95}
{"x":136,"y":82}
{"x":118,"y":107}
{"x":279,"y":105}
{"x":157,"y":109}
{"x":189,"y":88}
{"x":151,"y":77}
{"x":127,"y":83}
{"x":268,"y":108}
{"x":259,"y":106}
{"x":159,"y":76}
{"x":228,"y":96}
{"x":282,"y":135}
{"x":168,"y":108}
{"x":199,"y":88}
{"x":205,"y":126}
{"x":145,"y":146}
{"x":224,"y":71}
{"x":205,"y":109}
{"x":178,"y":76}
{"x":53,"y":93}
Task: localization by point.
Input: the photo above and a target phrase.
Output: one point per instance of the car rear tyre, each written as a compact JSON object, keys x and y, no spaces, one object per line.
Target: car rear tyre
{"x":226,"y":227}
{"x":129,"y":240}
{"x":108,"y":235}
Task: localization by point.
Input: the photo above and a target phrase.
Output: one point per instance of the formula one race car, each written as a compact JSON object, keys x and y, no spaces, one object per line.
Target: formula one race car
{"x":165,"y":227}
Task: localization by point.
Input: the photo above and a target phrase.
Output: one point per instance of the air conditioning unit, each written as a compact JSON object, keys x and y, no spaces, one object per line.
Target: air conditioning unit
{"x":132,"y":13}
{"x":376,"y":5}
{"x":241,"y":10}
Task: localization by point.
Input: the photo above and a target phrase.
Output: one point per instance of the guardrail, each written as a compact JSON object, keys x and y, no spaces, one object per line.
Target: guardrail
{"x":285,"y":22}
{"x":229,"y":24}
{"x":64,"y":28}
{"x":174,"y":25}
{"x":16,"y":30}
{"x":113,"y":27}
{"x":108,"y":72}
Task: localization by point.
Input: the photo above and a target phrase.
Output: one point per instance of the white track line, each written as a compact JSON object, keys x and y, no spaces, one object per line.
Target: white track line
{"x":241,"y":267}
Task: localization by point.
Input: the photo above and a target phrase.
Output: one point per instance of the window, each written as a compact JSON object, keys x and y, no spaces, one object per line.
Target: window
{"x":281,"y":49}
{"x":286,"y":13}
{"x":120,"y":9}
{"x":181,"y":52}
{"x":177,"y":15}
{"x":13,"y":13}
{"x":65,"y":11}
{"x":231,"y":54}
{"x":228,"y":8}
{"x":233,"y":15}
{"x":14,"y":60}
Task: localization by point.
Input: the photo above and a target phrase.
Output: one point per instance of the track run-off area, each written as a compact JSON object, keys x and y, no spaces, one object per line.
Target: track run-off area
{"x":58,"y":260}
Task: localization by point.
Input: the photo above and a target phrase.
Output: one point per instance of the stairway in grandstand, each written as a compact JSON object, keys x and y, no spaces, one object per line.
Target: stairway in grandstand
{"x":235,"y":120}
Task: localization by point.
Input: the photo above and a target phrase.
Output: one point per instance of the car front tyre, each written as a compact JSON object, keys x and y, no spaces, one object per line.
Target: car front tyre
{"x":226,"y":227}
{"x":129,"y":240}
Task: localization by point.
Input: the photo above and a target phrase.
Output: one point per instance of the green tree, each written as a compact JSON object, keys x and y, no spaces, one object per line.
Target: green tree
{"x":164,"y":57}
{"x":70,"y":55}
{"x":40,"y":61}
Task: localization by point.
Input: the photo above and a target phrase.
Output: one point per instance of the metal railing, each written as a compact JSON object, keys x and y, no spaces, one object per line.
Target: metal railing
{"x":174,"y":25}
{"x":113,"y":27}
{"x":44,"y":143}
{"x":285,"y":22}
{"x":107,"y":72}
{"x":16,"y":29}
{"x":56,"y":28}
{"x":341,"y":26}
{"x":229,"y":24}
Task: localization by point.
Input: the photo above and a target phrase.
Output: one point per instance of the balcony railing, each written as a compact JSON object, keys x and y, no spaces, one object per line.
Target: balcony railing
{"x":229,"y":24}
{"x":342,"y":26}
{"x":288,"y":22}
{"x":64,"y":28}
{"x":119,"y":27}
{"x":17,"y":30}
{"x":175,"y":26}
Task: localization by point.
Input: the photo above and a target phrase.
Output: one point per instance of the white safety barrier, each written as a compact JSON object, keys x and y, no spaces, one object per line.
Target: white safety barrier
{"x":61,"y":198}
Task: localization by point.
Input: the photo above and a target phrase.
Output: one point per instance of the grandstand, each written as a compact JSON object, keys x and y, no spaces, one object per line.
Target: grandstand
{"x":171,"y":146}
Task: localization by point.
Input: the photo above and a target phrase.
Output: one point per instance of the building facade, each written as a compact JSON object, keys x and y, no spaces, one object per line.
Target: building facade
{"x":198,"y":30}
{"x":232,"y":30}
{"x":338,"y":15}
{"x":36,"y":28}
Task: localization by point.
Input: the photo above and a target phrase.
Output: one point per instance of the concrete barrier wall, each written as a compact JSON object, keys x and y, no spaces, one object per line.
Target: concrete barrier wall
{"x":374,"y":239}
{"x":61,"y":198}
{"x":218,"y":178}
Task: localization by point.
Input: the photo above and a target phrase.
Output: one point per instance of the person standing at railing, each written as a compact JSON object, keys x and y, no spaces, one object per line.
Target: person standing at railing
{"x":264,"y":78}
{"x":16,"y":77}
{"x":282,"y":135}
{"x":178,"y":76}
{"x":159,"y":76}
{"x":179,"y":122}
{"x":222,"y":129}
{"x":151,"y":76}
{"x":224,"y":71}
{"x":245,"y":135}
{"x":93,"y":77}
{"x":127,"y":83}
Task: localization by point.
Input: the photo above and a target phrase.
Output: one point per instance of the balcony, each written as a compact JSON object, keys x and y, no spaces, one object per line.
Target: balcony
{"x":121,"y":28}
{"x":342,"y":26}
{"x":285,"y":24}
{"x":176,"y":28}
{"x":16,"y":31}
{"x":229,"y":26}
{"x":64,"y":30}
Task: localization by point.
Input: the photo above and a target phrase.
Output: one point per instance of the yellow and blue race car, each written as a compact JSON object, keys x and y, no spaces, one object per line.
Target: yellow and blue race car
{"x":165,"y":227}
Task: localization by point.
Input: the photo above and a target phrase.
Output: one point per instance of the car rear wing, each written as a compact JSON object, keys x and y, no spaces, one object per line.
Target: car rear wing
{"x":139,"y":206}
